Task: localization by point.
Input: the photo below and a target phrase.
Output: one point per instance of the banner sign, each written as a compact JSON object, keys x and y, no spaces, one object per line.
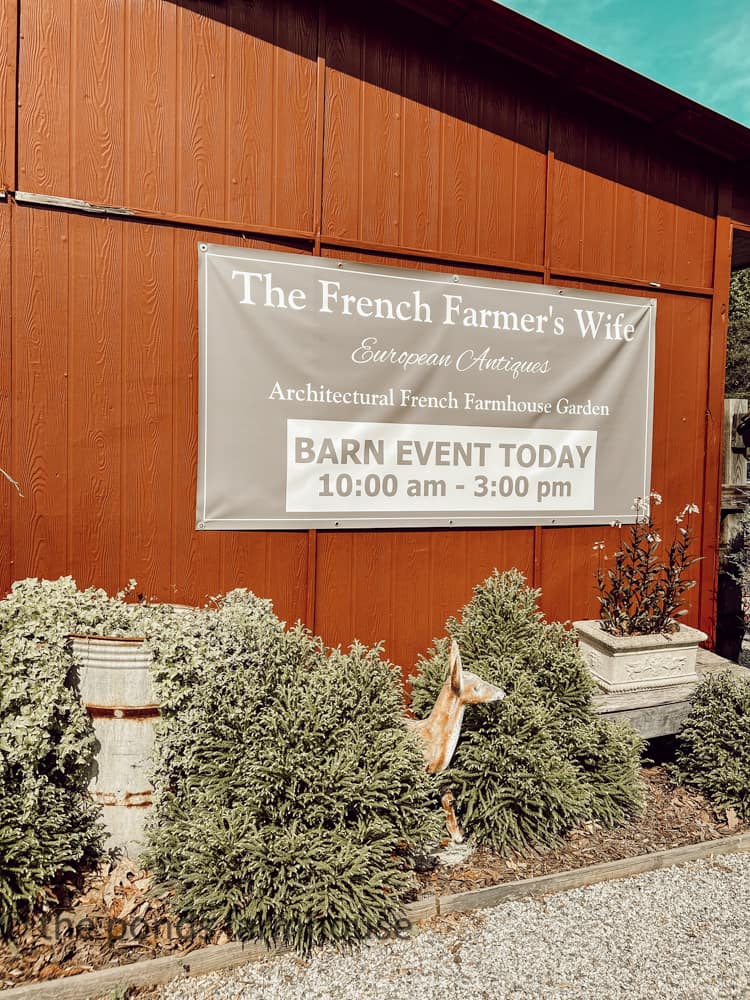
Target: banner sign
{"x":346,"y":395}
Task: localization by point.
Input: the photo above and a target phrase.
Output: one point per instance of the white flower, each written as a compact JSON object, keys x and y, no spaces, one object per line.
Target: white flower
{"x":615,"y":524}
{"x":598,"y":546}
{"x":656,"y":497}
{"x":692,"y":508}
{"x":678,"y":520}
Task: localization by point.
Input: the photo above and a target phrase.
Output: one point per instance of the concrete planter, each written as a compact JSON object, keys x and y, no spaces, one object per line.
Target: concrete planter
{"x":637,"y":662}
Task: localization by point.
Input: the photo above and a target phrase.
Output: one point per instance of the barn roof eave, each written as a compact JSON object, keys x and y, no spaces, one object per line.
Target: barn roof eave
{"x":575,"y":68}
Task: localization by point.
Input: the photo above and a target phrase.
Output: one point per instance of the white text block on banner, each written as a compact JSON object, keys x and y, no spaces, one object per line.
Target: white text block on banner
{"x":335,"y":466}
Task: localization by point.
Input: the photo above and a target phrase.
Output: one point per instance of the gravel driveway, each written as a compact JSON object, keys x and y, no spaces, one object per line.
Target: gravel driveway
{"x":682,"y":934}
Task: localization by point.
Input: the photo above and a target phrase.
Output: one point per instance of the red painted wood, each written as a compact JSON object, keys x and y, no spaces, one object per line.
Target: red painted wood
{"x":40,"y":358}
{"x":625,"y":206}
{"x":44,"y":124}
{"x":150,"y":98}
{"x":8,"y":496}
{"x":95,"y":405}
{"x":98,"y":101}
{"x":205,"y":110}
{"x":8,"y":34}
{"x":200,"y":109}
{"x":401,"y":586}
{"x":423,"y":147}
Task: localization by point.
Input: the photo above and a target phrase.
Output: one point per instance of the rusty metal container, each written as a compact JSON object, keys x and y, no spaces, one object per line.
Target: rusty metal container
{"x":116,"y":688}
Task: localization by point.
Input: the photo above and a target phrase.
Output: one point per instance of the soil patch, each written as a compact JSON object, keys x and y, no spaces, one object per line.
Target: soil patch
{"x":673,"y":817}
{"x":113,"y":921}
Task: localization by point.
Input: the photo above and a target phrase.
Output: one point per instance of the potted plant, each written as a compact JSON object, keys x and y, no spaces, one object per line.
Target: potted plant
{"x":638,"y":641}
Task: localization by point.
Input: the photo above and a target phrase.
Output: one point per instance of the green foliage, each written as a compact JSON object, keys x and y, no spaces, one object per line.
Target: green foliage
{"x":738,"y":338}
{"x":713,"y":747}
{"x":287,"y":781}
{"x":739,"y":296}
{"x":529,"y":768}
{"x":643,"y":591}
{"x":48,"y":824}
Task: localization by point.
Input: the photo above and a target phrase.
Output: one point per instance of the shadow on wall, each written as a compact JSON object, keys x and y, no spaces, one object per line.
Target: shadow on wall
{"x":439,"y":68}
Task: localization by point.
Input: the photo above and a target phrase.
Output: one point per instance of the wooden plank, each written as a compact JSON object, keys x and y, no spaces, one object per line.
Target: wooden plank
{"x":734,"y":461}
{"x":40,"y":391}
{"x":8,"y":42}
{"x":463,"y":902}
{"x":97,"y":100}
{"x":342,"y":162}
{"x":250,"y":81}
{"x":196,"y":555}
{"x":711,"y":663}
{"x":147,"y":408}
{"x":627,"y":701}
{"x":659,"y":720}
{"x":661,"y":711}
{"x":44,"y":118}
{"x":152,"y":972}
{"x":202,"y":122}
{"x":459,"y":149}
{"x":294,"y":106}
{"x":8,"y":495}
{"x":422,"y":85}
{"x":95,"y":404}
{"x":381,"y":153}
{"x":151,"y":96}
{"x":735,"y":498}
{"x":422,"y":909}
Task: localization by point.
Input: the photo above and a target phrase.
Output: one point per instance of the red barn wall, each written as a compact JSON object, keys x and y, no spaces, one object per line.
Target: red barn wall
{"x":318,"y":128}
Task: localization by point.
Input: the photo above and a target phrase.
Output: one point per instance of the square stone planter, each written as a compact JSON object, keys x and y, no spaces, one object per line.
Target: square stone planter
{"x":637,"y":662}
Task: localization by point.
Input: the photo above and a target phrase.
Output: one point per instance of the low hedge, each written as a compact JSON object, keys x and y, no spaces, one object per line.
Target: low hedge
{"x":529,"y":768}
{"x":713,"y":746}
{"x":49,"y":826}
{"x":288,"y":789}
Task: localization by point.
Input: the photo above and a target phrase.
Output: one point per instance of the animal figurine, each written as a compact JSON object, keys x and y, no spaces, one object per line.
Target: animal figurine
{"x":442,"y":728}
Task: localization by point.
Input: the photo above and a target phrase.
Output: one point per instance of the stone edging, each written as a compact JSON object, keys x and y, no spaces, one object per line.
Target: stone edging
{"x":215,"y":958}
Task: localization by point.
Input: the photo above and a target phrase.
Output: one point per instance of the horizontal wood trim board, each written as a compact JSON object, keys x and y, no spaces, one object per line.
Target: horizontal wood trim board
{"x":735,"y":497}
{"x":702,"y":291}
{"x":661,"y":720}
{"x":152,"y":972}
{"x":647,"y":698}
{"x":249,"y":230}
{"x":229,"y":956}
{"x":480,"y":898}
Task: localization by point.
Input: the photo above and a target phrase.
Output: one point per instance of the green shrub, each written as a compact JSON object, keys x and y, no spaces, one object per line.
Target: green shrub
{"x":529,"y":768}
{"x":713,"y":746}
{"x":286,"y":781}
{"x":48,"y":824}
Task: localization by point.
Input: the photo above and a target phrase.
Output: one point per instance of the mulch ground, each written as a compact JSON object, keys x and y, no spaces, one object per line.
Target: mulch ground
{"x":112,"y":920}
{"x":673,"y":817}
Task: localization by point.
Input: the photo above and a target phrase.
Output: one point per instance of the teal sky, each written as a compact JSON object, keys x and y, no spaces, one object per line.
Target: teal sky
{"x":700,"y":48}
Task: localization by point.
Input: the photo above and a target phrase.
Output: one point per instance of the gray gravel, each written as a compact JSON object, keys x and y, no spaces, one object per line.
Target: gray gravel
{"x":678,"y":934}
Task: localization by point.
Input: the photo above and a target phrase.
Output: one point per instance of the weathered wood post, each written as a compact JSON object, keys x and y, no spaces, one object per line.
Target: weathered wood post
{"x":730,"y":622}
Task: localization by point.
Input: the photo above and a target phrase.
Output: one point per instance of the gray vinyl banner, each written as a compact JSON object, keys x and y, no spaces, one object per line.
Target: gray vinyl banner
{"x":343,"y":395}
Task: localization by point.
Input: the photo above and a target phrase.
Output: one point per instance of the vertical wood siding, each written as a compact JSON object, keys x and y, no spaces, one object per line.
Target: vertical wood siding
{"x":622,"y":207}
{"x":204,"y":109}
{"x":200,"y":111}
{"x":7,"y":493}
{"x":8,"y":37}
{"x":426,"y":153}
